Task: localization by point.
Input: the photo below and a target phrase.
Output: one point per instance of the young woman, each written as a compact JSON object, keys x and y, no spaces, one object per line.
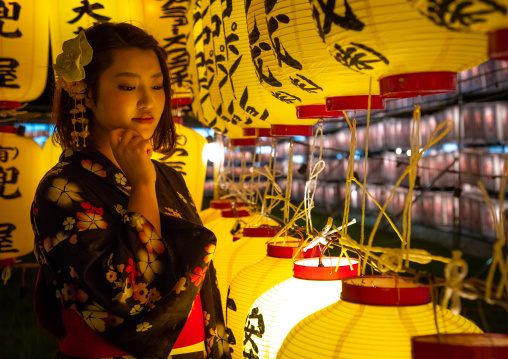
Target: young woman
{"x":126,"y":267}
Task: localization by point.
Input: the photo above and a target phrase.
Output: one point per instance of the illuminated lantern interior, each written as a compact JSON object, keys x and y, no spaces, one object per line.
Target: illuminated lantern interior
{"x":384,"y":312}
{"x":281,"y":307}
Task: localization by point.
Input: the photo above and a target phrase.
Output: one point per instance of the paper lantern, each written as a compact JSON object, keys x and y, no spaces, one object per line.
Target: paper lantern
{"x":188,"y":160}
{"x":271,"y":108}
{"x":248,"y":249}
{"x":51,"y":152}
{"x":281,"y":307}
{"x":215,"y":115}
{"x":289,"y":45}
{"x":216,"y":206}
{"x":395,"y":44}
{"x":67,"y":18}
{"x":21,"y":169}
{"x":460,"y":346}
{"x":487,"y":17}
{"x":384,"y":312}
{"x":24,"y":45}
{"x":253,"y":280}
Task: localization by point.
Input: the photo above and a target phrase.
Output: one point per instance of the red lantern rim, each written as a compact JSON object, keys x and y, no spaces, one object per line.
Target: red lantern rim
{"x":256,"y":132}
{"x":7,"y":262}
{"x":182,"y":101}
{"x":344,"y":103}
{"x":178,"y":120}
{"x":225,"y":203}
{"x":235,"y":213}
{"x":464,"y":346}
{"x":11,"y":105}
{"x":242,"y":141}
{"x":418,"y":84}
{"x":309,"y":269}
{"x":384,"y":291}
{"x":261,"y":231}
{"x":292,"y":130}
{"x":316,"y":112}
{"x":8,"y":129}
{"x":289,"y":249}
{"x":498,"y":44}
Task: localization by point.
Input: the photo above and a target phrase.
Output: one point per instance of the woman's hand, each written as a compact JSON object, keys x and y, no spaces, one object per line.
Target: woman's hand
{"x":133,"y":152}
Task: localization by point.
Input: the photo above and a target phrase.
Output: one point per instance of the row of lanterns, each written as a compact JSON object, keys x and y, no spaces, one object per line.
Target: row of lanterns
{"x":267,"y":64}
{"x":280,"y":303}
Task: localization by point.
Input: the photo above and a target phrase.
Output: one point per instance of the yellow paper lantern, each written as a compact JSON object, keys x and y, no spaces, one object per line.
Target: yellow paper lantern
{"x":24,"y":45}
{"x":487,"y":17}
{"x":460,"y":346}
{"x":67,"y":17}
{"x":392,"y":42}
{"x":51,"y":151}
{"x":384,"y":312}
{"x":274,"y":108}
{"x":171,"y":23}
{"x":248,"y":249}
{"x":281,"y":307}
{"x":284,"y":39}
{"x":21,"y":169}
{"x":253,"y":280}
{"x":188,"y":160}
{"x":229,"y":223}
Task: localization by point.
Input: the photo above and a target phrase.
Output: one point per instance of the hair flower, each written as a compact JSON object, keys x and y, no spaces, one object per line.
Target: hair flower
{"x":76,"y":53}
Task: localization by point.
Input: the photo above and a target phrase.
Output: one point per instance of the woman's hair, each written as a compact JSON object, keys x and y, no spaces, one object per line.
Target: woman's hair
{"x":105,"y":39}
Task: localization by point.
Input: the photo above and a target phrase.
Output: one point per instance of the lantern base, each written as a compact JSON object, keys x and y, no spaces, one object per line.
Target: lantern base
{"x":498,"y":45}
{"x":344,"y":103}
{"x":10,"y":105}
{"x":418,"y":84}
{"x":261,"y":231}
{"x":224,"y":203}
{"x":256,"y":132}
{"x":291,"y":130}
{"x":242,"y":142}
{"x":464,"y":346}
{"x":182,"y":101}
{"x":316,"y":112}
{"x":235,"y":213}
{"x":384,"y":290}
{"x":310,"y":269}
{"x":289,"y":249}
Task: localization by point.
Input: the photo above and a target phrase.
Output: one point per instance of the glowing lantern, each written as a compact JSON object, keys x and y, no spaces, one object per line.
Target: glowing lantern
{"x":68,"y":17}
{"x":215,"y":210}
{"x":395,"y":44}
{"x":20,"y":172}
{"x":281,"y":307}
{"x":275,"y":108}
{"x":249,"y":248}
{"x":24,"y":45}
{"x":288,"y":45}
{"x":51,"y":151}
{"x":384,"y":312}
{"x":463,"y":346}
{"x":487,"y":17}
{"x":252,"y":281}
{"x":188,"y":160}
{"x":172,"y":25}
{"x":210,"y":75}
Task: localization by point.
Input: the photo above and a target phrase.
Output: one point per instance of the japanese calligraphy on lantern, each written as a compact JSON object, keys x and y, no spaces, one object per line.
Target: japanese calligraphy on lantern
{"x":254,"y":328}
{"x":461,"y":15}
{"x":22,"y":67}
{"x":21,"y":168}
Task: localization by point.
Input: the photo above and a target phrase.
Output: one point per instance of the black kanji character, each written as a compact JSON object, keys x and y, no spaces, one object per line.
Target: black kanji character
{"x":88,"y":9}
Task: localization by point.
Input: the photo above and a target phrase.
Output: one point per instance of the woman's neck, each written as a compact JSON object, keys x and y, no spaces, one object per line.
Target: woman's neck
{"x":101,"y":144}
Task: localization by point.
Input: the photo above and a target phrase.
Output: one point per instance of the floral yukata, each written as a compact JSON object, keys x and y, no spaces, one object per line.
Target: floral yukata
{"x":130,"y":284}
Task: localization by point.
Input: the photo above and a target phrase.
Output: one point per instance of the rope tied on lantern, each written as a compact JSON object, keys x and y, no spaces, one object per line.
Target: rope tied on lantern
{"x":455,"y":288}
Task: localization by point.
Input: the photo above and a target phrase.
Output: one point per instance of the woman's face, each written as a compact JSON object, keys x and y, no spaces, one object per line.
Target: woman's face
{"x":131,"y":95}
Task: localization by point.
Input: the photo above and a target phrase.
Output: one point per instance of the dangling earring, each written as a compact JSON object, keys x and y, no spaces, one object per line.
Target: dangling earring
{"x":79,"y":110}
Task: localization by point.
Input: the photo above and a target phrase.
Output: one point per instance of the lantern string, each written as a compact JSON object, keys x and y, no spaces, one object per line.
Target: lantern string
{"x":441,"y":130}
{"x":311,"y":183}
